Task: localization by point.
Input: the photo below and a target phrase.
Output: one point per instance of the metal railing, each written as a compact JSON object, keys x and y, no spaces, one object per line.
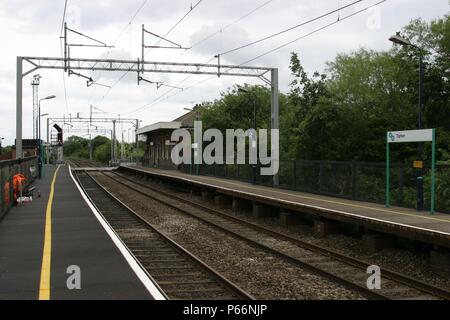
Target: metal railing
{"x":364,"y":181}
{"x":8,"y":168}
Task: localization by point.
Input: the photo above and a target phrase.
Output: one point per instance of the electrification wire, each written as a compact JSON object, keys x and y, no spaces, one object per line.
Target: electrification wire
{"x":219,"y":31}
{"x":159,"y":98}
{"x":202,"y":41}
{"x":63,"y":19}
{"x":260,"y":40}
{"x":62,"y":55}
{"x":312,"y":32}
{"x":165,"y":35}
{"x":290,"y":29}
{"x":174,"y":26}
{"x":231,"y":23}
{"x":128,"y":25}
{"x":257,"y":57}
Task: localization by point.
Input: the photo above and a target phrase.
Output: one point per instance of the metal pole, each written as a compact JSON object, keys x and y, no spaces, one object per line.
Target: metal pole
{"x":254,"y":138}
{"x":65,"y":47}
{"x":48,"y":130}
{"x":39,"y":121}
{"x":433,"y":169}
{"x":135,"y":133}
{"x":39,"y":141}
{"x":274,"y":114}
{"x":143,"y":46}
{"x":19,"y":79}
{"x":387,"y":175}
{"x":420,"y":124}
{"x":90,"y":147}
{"x":114,"y":141}
{"x":111,"y":146}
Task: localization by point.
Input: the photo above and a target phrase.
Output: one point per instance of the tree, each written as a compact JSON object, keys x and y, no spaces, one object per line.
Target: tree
{"x":103,"y":152}
{"x":377,"y":92}
{"x":235,"y":110}
{"x":98,"y":141}
{"x":76,"y":147}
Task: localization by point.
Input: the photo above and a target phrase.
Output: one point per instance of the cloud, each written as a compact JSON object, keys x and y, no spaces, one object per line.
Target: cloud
{"x":32,"y":28}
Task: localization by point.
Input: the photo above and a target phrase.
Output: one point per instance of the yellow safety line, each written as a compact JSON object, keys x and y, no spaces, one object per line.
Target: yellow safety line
{"x":44,"y":287}
{"x":337,"y":202}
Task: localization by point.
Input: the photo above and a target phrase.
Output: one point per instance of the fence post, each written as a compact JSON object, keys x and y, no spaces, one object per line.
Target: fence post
{"x":320,"y":176}
{"x":295,"y":174}
{"x":400,"y":185}
{"x":353,"y":182}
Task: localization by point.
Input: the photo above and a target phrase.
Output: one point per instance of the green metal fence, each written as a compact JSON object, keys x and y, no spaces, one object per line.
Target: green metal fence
{"x":8,"y":168}
{"x":365,"y":181}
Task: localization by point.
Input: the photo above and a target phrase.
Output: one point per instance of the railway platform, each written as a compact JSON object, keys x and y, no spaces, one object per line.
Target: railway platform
{"x":375,"y":220}
{"x":58,"y":247}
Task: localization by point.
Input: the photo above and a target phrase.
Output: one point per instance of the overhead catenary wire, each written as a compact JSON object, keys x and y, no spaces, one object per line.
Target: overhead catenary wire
{"x":195,"y":44}
{"x":312,"y":32}
{"x":220,"y":30}
{"x":260,"y":40}
{"x":192,"y":8}
{"x":144,"y":3}
{"x":62,"y":54}
{"x":139,"y":9}
{"x":165,"y":97}
{"x":63,"y":18}
{"x":290,"y":28}
{"x":208,"y":61}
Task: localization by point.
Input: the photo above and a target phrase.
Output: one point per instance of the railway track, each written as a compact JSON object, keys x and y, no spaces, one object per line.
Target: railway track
{"x":84,"y":163}
{"x":340,"y":268}
{"x":178,"y":273}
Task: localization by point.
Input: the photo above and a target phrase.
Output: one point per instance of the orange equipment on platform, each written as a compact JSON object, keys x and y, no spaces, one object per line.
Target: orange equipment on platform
{"x":18,"y":182}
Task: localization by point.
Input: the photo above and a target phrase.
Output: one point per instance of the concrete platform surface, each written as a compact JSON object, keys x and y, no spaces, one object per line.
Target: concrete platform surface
{"x":400,"y":221}
{"x":76,"y":239}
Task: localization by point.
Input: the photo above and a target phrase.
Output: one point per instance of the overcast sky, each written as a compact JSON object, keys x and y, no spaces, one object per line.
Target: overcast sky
{"x":32,"y":28}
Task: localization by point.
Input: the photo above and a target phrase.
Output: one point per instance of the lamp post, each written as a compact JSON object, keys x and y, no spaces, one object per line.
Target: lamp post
{"x":39,"y":134}
{"x":197,"y":168}
{"x":42,"y":151}
{"x":254,"y":127}
{"x":397,"y":39}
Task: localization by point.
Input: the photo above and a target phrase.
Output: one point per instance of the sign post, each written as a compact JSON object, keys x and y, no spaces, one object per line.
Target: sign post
{"x":412,"y":136}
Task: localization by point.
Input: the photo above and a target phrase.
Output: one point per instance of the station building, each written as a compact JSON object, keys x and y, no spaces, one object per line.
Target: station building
{"x":158,"y":144}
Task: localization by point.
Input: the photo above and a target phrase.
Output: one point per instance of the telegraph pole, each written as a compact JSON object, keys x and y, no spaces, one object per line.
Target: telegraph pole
{"x":35,"y":85}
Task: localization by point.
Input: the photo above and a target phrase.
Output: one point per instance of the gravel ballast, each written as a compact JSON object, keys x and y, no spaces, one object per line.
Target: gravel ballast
{"x":412,"y":263}
{"x":263,"y":275}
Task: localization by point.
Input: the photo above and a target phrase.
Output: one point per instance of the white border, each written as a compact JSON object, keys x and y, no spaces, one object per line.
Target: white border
{"x":142,"y":276}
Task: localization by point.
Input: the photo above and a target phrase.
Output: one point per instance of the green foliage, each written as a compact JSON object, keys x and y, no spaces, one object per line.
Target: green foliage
{"x":343,"y":114}
{"x":137,"y":153}
{"x":103,"y":152}
{"x":78,"y":147}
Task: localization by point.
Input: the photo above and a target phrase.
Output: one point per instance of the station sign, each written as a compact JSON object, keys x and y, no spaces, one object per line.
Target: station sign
{"x":410,"y":136}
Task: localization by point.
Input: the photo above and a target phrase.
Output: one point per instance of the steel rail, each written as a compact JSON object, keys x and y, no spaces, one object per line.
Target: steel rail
{"x":233,"y":288}
{"x":309,"y":266}
{"x":392,"y":275}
